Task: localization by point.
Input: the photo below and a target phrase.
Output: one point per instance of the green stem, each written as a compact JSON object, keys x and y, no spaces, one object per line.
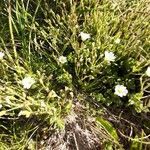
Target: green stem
{"x":11,"y":29}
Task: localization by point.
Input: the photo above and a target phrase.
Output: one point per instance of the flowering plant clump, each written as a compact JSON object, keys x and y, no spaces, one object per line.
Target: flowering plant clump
{"x":48,"y":65}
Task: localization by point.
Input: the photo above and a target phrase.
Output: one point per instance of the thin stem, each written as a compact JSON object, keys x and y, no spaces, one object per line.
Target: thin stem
{"x":11,"y":29}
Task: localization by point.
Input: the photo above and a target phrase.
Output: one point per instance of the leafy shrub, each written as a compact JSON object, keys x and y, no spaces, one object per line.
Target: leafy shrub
{"x":51,"y":51}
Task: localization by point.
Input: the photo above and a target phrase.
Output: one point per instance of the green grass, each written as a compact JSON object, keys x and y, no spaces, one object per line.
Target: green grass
{"x":35,"y":34}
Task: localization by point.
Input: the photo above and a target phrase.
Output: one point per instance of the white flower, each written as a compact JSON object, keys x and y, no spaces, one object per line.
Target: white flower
{"x":148,"y":71}
{"x":114,"y":5}
{"x":7,"y":98}
{"x":24,"y":113}
{"x":31,"y":144}
{"x":43,"y":104}
{"x":117,"y":41}
{"x":27,"y":82}
{"x":52,"y":94}
{"x":71,"y":94}
{"x":109,"y":56}
{"x":121,"y":90}
{"x":1,"y":106}
{"x":84,"y":36}
{"x":1,"y":55}
{"x":62,"y":59}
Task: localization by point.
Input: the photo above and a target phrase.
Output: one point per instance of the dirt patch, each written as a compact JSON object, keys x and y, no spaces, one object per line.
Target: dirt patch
{"x":77,"y":135}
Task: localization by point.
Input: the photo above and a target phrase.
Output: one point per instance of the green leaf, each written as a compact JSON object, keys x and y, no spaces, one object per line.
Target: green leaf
{"x":108,"y":127}
{"x":136,"y":101}
{"x":60,"y":123}
{"x":136,"y":144}
{"x":68,"y":106}
{"x":108,"y":146}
